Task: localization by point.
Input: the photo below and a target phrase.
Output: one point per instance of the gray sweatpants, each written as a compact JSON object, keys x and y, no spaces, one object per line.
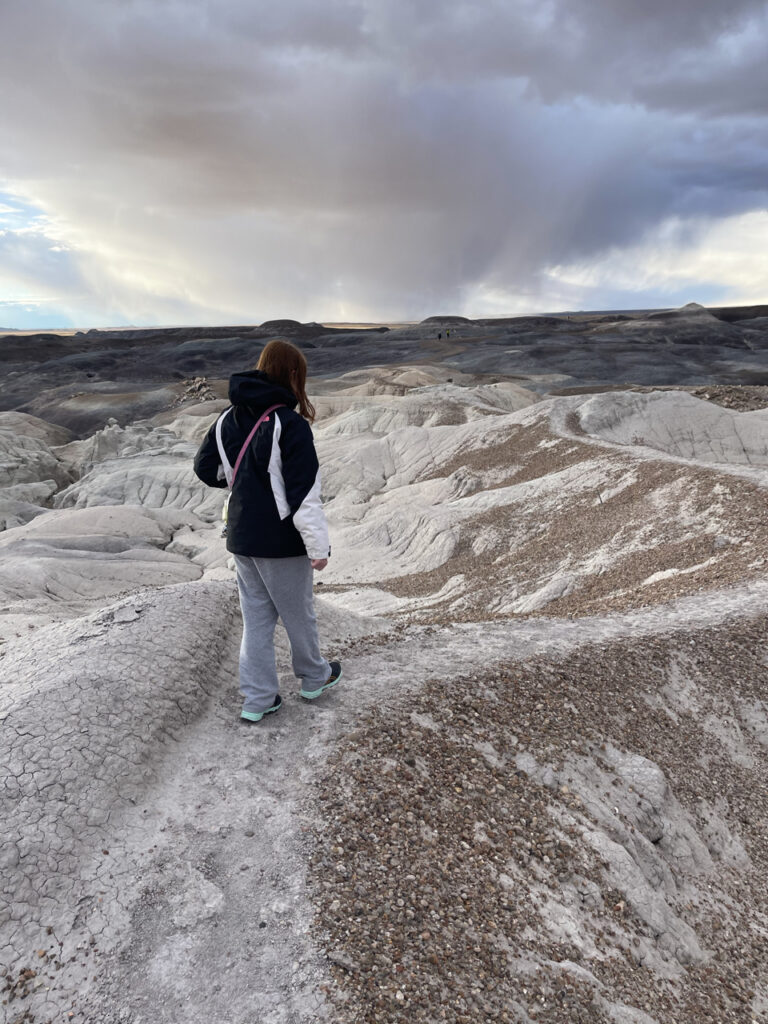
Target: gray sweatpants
{"x":271,"y":588}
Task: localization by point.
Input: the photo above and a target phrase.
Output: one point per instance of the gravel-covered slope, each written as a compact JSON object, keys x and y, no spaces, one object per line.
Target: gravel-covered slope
{"x":561,"y":840}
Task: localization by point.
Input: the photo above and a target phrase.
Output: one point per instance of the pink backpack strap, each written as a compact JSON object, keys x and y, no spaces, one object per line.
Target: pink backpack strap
{"x":262,"y":419}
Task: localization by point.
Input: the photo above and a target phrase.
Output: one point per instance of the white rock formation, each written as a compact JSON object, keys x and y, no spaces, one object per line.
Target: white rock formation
{"x":66,"y":562}
{"x":678,"y":424}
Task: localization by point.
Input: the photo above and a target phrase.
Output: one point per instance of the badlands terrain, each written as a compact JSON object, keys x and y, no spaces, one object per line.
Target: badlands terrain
{"x":539,"y":793}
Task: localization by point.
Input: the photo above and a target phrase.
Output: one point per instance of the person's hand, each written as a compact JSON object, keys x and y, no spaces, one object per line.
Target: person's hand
{"x":319,"y":563}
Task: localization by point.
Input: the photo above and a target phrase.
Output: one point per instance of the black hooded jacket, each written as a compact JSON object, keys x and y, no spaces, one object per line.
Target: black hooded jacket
{"x":274,"y":508}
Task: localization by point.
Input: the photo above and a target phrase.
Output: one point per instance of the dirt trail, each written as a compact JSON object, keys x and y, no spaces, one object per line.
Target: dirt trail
{"x":220,"y":922}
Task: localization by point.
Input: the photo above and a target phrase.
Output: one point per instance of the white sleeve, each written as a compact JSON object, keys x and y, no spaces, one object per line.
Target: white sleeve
{"x":309,"y":519}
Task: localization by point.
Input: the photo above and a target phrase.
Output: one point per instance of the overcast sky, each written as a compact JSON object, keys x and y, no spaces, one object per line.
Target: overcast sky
{"x":182,"y":161}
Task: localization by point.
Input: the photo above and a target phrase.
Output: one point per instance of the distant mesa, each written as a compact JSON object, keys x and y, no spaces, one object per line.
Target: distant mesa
{"x":286,"y":326}
{"x":447,"y":320}
{"x":728,"y":314}
{"x":691,"y":309}
{"x":296,"y":330}
{"x":151,"y":335}
{"x":521,"y":321}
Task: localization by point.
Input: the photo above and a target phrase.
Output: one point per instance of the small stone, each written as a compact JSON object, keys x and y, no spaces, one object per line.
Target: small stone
{"x":342,"y":960}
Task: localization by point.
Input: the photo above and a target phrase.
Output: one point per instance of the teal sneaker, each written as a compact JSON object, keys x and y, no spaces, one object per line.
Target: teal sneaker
{"x":334,"y":677}
{"x":249,"y":717}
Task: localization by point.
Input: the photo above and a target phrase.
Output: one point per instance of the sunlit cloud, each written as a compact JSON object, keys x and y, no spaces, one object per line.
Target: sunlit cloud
{"x":730,"y":255}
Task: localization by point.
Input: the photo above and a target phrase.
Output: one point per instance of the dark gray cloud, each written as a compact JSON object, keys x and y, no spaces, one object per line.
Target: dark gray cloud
{"x":238,"y":160}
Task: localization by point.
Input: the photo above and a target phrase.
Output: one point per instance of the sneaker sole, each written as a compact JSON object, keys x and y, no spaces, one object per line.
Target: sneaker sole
{"x":251,"y":717}
{"x":314,"y":694}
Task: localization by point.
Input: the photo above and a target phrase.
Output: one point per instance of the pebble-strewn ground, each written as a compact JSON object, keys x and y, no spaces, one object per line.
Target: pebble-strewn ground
{"x":744,"y":398}
{"x":441,"y":869}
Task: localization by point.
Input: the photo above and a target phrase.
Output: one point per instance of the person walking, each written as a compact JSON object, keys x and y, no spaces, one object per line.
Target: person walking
{"x":262,"y":448}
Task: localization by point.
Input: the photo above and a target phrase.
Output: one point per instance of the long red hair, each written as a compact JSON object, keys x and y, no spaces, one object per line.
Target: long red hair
{"x":285,"y":365}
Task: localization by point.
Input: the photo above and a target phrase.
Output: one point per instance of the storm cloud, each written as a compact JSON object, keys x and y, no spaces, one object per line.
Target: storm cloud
{"x":375,"y":159}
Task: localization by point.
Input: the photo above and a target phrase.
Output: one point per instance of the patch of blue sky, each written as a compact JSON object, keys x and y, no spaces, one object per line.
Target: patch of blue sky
{"x":33,"y":316}
{"x":612,"y":299}
{"x":18,"y":215}
{"x":40,"y":279}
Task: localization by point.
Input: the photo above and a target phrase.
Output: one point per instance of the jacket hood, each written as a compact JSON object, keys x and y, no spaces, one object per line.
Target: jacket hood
{"x":254,"y":389}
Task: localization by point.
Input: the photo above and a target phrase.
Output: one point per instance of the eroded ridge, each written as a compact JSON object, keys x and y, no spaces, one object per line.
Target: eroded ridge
{"x":569,"y":838}
{"x":575,"y":505}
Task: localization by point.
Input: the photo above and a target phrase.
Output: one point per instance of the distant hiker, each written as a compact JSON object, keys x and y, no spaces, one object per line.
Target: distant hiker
{"x":439,"y":335}
{"x":276,"y":527}
{"x":447,"y":334}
